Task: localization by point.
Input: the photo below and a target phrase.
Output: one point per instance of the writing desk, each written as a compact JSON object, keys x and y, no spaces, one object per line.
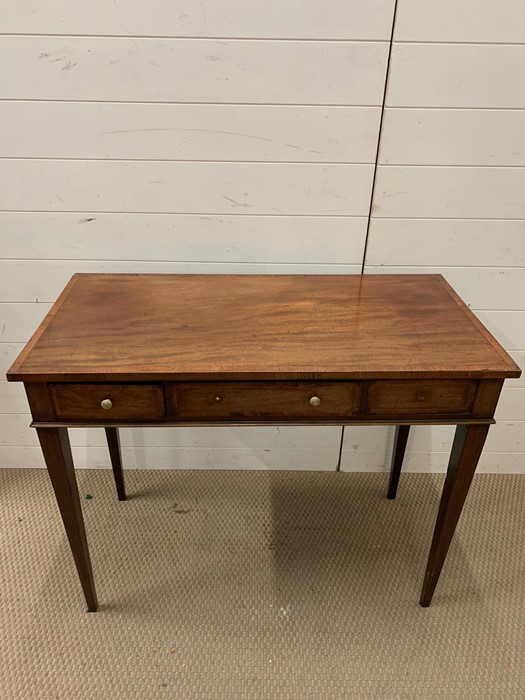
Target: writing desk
{"x":150,"y":350}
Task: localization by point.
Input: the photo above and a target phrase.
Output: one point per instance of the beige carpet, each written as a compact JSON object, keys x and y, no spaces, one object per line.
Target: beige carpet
{"x":257,"y":585}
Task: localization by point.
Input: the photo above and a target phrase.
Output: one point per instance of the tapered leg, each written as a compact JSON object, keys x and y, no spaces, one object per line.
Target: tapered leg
{"x":113,"y":439}
{"x":400,"y":443}
{"x":466,"y":450}
{"x":59,"y":461}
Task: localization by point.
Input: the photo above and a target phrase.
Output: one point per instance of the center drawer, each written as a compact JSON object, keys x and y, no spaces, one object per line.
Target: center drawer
{"x":108,"y":402}
{"x":262,"y":400}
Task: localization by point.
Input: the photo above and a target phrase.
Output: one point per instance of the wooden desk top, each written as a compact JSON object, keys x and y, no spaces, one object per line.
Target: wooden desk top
{"x":111,"y":327}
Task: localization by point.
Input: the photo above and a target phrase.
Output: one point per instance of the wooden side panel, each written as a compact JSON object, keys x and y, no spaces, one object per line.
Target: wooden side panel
{"x":487,"y":397}
{"x":40,"y":401}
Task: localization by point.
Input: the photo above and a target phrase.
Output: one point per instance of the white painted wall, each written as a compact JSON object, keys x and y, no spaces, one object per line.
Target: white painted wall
{"x":450,"y":194}
{"x":176,"y":136}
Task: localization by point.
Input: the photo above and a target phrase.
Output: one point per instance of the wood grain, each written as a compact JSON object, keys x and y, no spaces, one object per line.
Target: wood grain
{"x":212,"y":327}
{"x":487,"y":397}
{"x":479,"y":287}
{"x":398,"y":454}
{"x":402,"y":397}
{"x":59,"y":461}
{"x":130,"y":402}
{"x":260,"y":400}
{"x":466,"y":451}
{"x":115,"y":453}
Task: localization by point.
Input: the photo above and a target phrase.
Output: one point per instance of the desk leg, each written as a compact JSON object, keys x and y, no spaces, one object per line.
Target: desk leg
{"x":115,"y":454}
{"x":466,"y":450}
{"x":400,"y":443}
{"x":59,"y":461}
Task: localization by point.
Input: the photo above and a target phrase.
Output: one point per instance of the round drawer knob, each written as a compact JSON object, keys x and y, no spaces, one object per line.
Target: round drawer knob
{"x":218,"y":398}
{"x":421,"y":397}
{"x":315,"y":401}
{"x":107,"y":404}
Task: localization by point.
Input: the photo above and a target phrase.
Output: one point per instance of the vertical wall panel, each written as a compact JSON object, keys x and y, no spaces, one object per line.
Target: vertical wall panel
{"x":130,"y":130}
{"x":449,"y":194}
{"x":177,"y":136}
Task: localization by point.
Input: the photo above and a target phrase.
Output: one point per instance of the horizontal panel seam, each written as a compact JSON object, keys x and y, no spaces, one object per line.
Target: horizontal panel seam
{"x":203,"y":214}
{"x":183,"y":262}
{"x":198,"y":215}
{"x":267,"y":105}
{"x":171,"y":102}
{"x":253,"y":216}
{"x":450,"y":165}
{"x":443,"y":218}
{"x":446,"y":267}
{"x":59,"y":159}
{"x":265,"y":262}
{"x":191,"y":38}
{"x":455,"y":109}
{"x":443,"y":42}
{"x":451,"y":107}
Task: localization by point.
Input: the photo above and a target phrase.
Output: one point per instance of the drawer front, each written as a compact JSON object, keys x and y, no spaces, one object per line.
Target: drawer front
{"x":262,"y":400}
{"x":431,"y":396}
{"x":122,"y":402}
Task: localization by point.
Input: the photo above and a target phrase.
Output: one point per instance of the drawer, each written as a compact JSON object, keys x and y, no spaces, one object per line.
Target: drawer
{"x":431,"y":396}
{"x":262,"y":400}
{"x":123,"y":401}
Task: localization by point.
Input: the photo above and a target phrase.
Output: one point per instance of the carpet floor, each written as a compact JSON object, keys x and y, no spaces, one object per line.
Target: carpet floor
{"x":261,"y":586}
